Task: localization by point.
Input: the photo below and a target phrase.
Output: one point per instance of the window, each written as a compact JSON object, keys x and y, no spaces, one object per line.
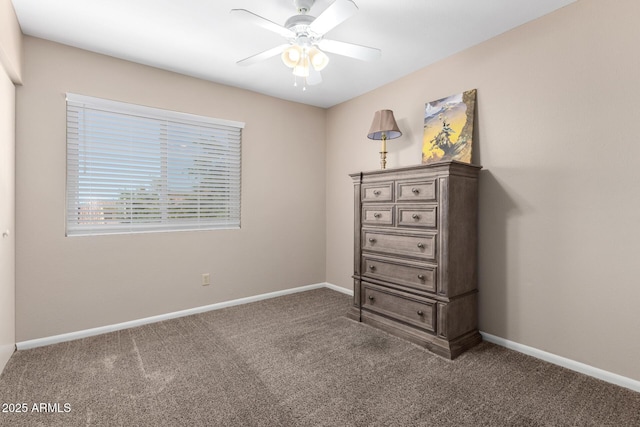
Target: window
{"x":137,"y":169}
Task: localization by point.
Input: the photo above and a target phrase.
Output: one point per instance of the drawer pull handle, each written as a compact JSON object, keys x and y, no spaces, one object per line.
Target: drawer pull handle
{"x":420,"y":313}
{"x":421,"y":276}
{"x":415,"y":216}
{"x":372,"y":240}
{"x":377,"y":215}
{"x":376,"y":192}
{"x":415,"y":190}
{"x":372,"y":267}
{"x":421,"y":245}
{"x":371,"y":298}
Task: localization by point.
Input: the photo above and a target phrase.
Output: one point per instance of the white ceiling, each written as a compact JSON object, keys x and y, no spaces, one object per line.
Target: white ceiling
{"x":201,"y":38}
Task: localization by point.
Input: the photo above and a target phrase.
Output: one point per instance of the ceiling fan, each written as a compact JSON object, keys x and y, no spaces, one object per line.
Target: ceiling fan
{"x":304,"y":50}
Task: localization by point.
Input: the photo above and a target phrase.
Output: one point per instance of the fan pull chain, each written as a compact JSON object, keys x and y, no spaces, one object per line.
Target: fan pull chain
{"x":304,"y":83}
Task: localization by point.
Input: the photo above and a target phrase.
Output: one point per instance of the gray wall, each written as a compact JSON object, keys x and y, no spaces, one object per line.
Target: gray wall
{"x":559,"y":207}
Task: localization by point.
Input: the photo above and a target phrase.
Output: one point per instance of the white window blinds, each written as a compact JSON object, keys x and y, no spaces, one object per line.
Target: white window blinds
{"x":137,"y":169}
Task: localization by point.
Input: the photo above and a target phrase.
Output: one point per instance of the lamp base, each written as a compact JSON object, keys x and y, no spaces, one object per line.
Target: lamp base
{"x":383,"y":160}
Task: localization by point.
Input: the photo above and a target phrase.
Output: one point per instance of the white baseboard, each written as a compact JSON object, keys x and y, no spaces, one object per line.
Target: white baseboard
{"x":39,"y":342}
{"x":339,"y":288}
{"x":521,"y":348}
{"x":564,"y":362}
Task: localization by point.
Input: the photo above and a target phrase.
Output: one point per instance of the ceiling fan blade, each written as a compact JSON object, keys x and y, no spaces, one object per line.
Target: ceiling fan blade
{"x":263,"y":22}
{"x":363,"y":53}
{"x":315,"y":78}
{"x":263,"y":55}
{"x":338,"y":12}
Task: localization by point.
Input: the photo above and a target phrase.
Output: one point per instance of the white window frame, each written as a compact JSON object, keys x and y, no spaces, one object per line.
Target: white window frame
{"x":136,"y":169}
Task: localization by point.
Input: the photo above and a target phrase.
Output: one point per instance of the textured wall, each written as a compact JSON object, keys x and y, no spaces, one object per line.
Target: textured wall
{"x":559,"y":210}
{"x":69,"y":284}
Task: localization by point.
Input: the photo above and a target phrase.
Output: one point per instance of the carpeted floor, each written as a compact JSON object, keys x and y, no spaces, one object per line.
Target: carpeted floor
{"x":294,"y":361}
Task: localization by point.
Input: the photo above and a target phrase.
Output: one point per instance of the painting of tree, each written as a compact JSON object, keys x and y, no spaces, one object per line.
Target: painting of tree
{"x":448,"y":128}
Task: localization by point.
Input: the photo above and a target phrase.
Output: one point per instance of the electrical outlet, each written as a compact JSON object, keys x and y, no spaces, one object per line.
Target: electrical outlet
{"x":206,"y":279}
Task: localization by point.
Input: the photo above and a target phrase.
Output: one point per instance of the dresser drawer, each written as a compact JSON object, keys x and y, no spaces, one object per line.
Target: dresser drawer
{"x":415,"y":311}
{"x":414,"y":275}
{"x":377,"y":215}
{"x":422,"y":246}
{"x":377,"y":192}
{"x":423,"y":191}
{"x":417,"y":216}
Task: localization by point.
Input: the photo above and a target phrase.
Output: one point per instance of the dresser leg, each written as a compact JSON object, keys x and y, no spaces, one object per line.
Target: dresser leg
{"x":354,"y":314}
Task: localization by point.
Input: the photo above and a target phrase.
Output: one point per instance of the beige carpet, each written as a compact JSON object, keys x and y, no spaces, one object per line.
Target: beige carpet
{"x":295,"y":361}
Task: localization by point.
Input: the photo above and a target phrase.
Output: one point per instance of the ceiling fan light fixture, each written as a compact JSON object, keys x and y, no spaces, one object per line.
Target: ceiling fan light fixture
{"x":302,"y":67}
{"x":292,"y":55}
{"x":305,"y":37}
{"x":318,"y":58}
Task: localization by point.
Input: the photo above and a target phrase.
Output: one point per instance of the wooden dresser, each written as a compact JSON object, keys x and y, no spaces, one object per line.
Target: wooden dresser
{"x":415,"y":269}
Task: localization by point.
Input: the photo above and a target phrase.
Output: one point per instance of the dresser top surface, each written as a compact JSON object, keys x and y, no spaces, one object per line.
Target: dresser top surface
{"x":452,"y":166}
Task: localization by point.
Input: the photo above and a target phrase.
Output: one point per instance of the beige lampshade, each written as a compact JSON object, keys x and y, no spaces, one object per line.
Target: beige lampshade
{"x":384,"y":126}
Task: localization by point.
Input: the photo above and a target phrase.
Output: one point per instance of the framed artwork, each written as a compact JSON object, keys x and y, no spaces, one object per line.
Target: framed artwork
{"x":448,"y":128}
